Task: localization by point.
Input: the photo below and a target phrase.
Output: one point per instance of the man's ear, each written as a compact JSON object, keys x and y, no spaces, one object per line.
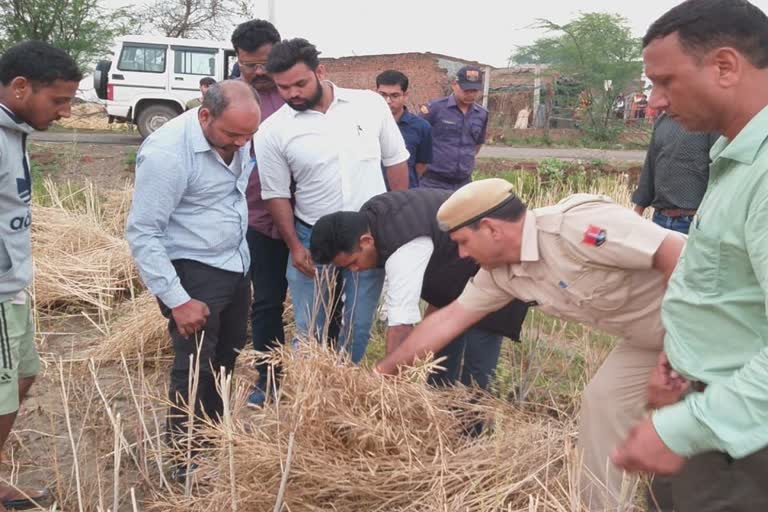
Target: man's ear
{"x":320,"y":72}
{"x":730,"y":66}
{"x":494,"y":227}
{"x":21,"y":87}
{"x":204,"y":115}
{"x":366,"y":241}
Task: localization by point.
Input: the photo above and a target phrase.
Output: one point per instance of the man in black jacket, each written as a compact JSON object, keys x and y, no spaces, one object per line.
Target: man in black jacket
{"x":399,"y":232}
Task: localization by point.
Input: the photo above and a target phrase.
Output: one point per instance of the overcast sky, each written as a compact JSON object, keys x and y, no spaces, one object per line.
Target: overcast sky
{"x":482,"y":30}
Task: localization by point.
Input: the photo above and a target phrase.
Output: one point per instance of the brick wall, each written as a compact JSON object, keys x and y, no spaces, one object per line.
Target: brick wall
{"x":427,"y":73}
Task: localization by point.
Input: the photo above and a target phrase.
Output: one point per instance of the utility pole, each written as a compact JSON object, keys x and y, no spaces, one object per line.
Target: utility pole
{"x":486,"y":86}
{"x":271,"y":12}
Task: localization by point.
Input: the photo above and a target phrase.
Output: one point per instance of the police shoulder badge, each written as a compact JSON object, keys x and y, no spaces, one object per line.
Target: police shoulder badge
{"x":594,"y":235}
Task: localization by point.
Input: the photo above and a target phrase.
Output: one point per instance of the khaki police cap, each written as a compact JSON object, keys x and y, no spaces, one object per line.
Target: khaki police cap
{"x":474,"y":201}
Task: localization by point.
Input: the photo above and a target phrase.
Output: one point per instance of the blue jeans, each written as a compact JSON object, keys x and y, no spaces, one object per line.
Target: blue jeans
{"x":360,"y":290}
{"x":471,"y":359}
{"x":679,"y":224}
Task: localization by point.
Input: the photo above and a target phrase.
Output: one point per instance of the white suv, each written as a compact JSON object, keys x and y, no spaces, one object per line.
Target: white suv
{"x":150,"y":79}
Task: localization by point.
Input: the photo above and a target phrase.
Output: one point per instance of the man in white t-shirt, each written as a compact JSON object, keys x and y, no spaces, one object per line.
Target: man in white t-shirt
{"x":331,"y":142}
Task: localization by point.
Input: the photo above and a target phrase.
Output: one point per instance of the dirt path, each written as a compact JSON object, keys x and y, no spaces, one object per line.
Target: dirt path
{"x":513,"y":153}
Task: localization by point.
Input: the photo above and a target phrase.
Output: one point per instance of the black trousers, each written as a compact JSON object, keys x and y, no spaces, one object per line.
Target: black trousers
{"x":269,"y":259}
{"x":715,"y":482}
{"x":227,"y":295}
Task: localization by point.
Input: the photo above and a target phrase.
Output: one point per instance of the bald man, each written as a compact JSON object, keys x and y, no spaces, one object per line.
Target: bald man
{"x":186,"y":230}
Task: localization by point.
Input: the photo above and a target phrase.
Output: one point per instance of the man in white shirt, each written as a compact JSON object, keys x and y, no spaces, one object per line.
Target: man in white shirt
{"x":331,"y":142}
{"x":398,"y":231}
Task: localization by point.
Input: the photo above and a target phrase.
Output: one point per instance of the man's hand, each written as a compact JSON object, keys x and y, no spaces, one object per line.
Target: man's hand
{"x":639,"y":209}
{"x":302,"y":260}
{"x":666,"y":386}
{"x":384,"y":369}
{"x":190,"y":317}
{"x":644,"y":451}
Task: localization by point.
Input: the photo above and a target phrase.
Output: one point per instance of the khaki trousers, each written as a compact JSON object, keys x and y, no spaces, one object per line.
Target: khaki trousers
{"x":613,"y":402}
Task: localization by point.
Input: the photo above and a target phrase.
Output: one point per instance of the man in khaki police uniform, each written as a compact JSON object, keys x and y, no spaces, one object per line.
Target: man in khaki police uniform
{"x":585,"y":259}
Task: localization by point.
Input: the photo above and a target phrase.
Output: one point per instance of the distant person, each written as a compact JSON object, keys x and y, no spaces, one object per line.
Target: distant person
{"x":331,"y":142}
{"x":392,"y":85}
{"x":235,"y":72}
{"x":253,"y":41}
{"x":619,"y":105}
{"x":639,"y":104}
{"x":458,"y":131}
{"x":675,"y":174}
{"x":205,"y":83}
{"x":37,"y":84}
{"x":187,"y":233}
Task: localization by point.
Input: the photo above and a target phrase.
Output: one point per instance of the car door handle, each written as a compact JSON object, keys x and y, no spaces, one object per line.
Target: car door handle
{"x":180,"y":78}
{"x":118,"y":77}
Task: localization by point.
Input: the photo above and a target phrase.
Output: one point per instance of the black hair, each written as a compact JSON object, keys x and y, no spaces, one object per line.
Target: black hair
{"x":336,"y":233}
{"x":288,"y":53}
{"x":511,"y":210}
{"x":38,"y":62}
{"x":703,"y":25}
{"x":392,"y":77}
{"x":207,"y":80}
{"x":252,"y":35}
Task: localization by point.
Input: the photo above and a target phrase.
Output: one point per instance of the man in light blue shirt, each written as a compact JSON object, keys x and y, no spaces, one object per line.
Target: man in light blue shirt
{"x":186,"y":230}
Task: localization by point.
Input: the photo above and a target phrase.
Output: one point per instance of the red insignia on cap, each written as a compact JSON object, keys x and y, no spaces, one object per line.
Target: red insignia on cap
{"x":594,"y":235}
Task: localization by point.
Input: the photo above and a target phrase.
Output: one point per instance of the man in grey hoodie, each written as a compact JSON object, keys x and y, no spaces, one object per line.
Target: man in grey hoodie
{"x":37,"y":84}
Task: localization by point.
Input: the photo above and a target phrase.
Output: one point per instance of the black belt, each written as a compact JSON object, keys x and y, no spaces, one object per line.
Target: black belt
{"x":447,"y":178}
{"x":676,"y":212}
{"x":303,"y":223}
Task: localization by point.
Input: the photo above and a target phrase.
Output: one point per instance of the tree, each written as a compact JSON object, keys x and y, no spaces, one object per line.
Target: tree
{"x":598,"y":51}
{"x":194,"y":18}
{"x":82,"y":28}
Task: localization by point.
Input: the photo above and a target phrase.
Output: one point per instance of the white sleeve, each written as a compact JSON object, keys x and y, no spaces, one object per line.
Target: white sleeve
{"x":393,"y":150}
{"x":405,"y":274}
{"x":273,"y":169}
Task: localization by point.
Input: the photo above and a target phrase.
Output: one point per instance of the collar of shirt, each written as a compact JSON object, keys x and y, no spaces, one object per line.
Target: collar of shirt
{"x":529,"y":246}
{"x":200,"y":144}
{"x":407,"y":117}
{"x":339,"y":95}
{"x":22,"y":126}
{"x":197,"y":138}
{"x":452,"y":103}
{"x":271,"y":101}
{"x":746,"y":145}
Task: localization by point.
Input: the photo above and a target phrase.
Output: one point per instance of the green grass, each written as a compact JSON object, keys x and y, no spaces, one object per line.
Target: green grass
{"x":630,"y":139}
{"x":130,"y":157}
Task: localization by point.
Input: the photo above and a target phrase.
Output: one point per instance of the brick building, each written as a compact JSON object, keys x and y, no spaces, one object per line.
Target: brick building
{"x":430,"y":74}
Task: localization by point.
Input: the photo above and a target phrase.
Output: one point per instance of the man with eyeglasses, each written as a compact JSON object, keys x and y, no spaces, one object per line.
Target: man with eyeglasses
{"x":253,"y":40}
{"x":392,"y":85}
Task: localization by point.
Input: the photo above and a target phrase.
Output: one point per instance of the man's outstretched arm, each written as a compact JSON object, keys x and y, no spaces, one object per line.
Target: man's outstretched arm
{"x":431,"y":335}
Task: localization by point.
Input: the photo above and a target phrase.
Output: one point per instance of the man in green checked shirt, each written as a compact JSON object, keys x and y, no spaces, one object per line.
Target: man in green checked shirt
{"x":708,"y":61}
